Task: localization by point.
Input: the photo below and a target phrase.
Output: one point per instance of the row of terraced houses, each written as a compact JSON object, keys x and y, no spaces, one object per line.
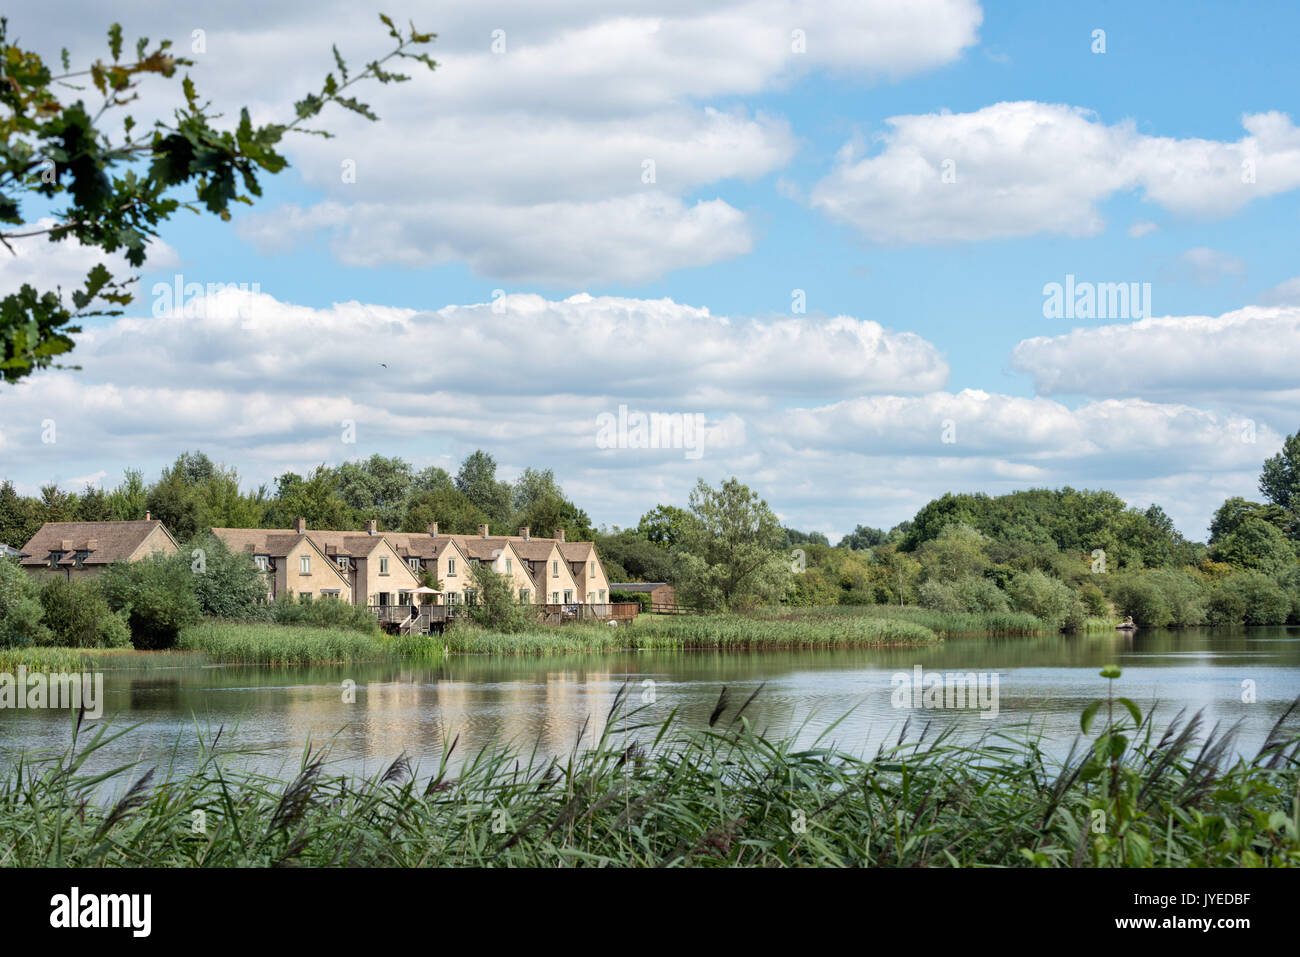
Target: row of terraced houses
{"x":369,"y":567}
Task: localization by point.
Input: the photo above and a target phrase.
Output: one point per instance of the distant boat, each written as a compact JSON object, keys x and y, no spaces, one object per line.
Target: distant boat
{"x":1127,"y":625}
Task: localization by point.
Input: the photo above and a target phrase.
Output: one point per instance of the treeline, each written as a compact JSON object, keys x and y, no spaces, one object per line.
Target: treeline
{"x":194,"y":494}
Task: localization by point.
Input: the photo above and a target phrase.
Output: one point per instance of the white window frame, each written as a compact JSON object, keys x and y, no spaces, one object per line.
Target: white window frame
{"x":304,"y":564}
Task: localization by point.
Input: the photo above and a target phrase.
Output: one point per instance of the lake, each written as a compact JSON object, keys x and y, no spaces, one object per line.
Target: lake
{"x":269,"y":714}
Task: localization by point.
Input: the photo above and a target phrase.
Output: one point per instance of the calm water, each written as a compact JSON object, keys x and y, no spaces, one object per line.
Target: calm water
{"x":270,"y":714}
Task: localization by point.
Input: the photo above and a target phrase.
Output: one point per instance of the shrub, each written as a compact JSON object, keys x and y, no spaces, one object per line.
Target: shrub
{"x":78,"y":616}
{"x":1264,"y":600}
{"x":1224,"y":607}
{"x":157,"y":597}
{"x":323,"y":613}
{"x":1138,"y":597}
{"x":642,"y":598}
{"x":1044,"y":597}
{"x":226,"y":584}
{"x":20,"y":607}
{"x":495,"y":607}
{"x":1094,"y":601}
{"x":1182,"y":594}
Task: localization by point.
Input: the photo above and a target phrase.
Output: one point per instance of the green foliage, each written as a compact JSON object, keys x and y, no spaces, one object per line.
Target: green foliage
{"x":651,"y":792}
{"x":1279,"y":480}
{"x":1264,"y":600}
{"x":1139,"y":597}
{"x":477,"y":481}
{"x":495,"y":606}
{"x":120,"y":191}
{"x":730,"y":554}
{"x":156,"y":595}
{"x":1256,"y":544}
{"x":284,"y":644}
{"x":1046,"y":598}
{"x":20,"y":607}
{"x":323,"y":613}
{"x":226,"y":584}
{"x":78,"y":616}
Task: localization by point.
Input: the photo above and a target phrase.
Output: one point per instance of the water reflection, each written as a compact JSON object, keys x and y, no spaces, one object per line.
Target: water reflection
{"x":555,"y":704}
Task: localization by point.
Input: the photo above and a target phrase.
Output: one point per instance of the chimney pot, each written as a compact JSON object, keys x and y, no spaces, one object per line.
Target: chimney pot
{"x":432,"y":529}
{"x":482,"y":531}
{"x":372,"y":526}
{"x":300,"y":525}
{"x":523,"y":532}
{"x":559,"y":534}
{"x":146,"y":517}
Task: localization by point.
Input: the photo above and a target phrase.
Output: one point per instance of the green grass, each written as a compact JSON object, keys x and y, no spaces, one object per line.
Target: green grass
{"x":998,"y":624}
{"x":229,"y":641}
{"x":655,"y":794}
{"x":687,"y":632}
{"x":57,"y":659}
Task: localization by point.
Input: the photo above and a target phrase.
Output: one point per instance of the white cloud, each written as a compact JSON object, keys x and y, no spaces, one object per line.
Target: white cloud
{"x":43,"y":264}
{"x":1244,"y":360}
{"x":1026,"y":167}
{"x":1142,"y":227}
{"x":1206,"y":267}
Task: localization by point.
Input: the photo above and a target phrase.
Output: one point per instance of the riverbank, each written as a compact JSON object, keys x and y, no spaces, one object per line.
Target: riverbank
{"x":667,"y":796}
{"x":694,"y":632}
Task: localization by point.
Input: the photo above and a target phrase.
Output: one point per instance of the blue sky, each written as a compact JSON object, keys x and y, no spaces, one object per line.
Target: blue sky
{"x":519,"y":171}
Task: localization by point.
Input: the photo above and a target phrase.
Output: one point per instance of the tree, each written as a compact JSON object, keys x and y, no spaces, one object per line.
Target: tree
{"x":1255,"y":544}
{"x":663,"y":524}
{"x":1279,"y":481}
{"x":20,"y":607}
{"x":314,"y":498}
{"x":730,"y":553}
{"x":78,"y":616}
{"x":495,"y":605}
{"x":957,"y":552}
{"x":454,"y":513}
{"x":156,"y":595}
{"x":862,"y":537}
{"x":375,"y":488}
{"x":19,"y":520}
{"x":1236,"y":510}
{"x":122,"y":183}
{"x":226,"y":584}
{"x":129,"y":500}
{"x":477,"y":481}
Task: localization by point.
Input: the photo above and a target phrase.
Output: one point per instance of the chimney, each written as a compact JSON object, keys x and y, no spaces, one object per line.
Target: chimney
{"x":559,"y":534}
{"x":432,"y":529}
{"x":482,"y":531}
{"x":523,"y":533}
{"x":92,"y":544}
{"x":300,"y":525}
{"x":146,"y":516}
{"x":372,"y":527}
{"x":66,"y":545}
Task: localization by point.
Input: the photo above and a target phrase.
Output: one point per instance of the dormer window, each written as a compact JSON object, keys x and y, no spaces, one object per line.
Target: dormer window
{"x":81,"y":558}
{"x":55,"y":558}
{"x":263,"y":562}
{"x":414,"y":563}
{"x":343,"y":562}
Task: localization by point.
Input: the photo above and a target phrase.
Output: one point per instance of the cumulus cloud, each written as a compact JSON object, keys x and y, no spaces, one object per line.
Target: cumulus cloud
{"x":45,"y":265}
{"x":539,"y":119}
{"x":1245,"y":359}
{"x":1018,"y":169}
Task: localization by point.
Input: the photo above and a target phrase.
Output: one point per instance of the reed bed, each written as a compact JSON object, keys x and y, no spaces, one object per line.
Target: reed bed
{"x":59,"y":659}
{"x":713,"y":632}
{"x":654,"y":794}
{"x":998,"y":624}
{"x":259,"y":643}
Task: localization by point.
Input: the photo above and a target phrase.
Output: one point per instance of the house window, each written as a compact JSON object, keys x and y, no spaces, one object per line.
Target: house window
{"x":568,"y":596}
{"x":509,"y":566}
{"x":592,"y":567}
{"x":591,"y":598}
{"x":471,"y":596}
{"x":81,"y":558}
{"x":304,"y":596}
{"x":555,"y":598}
{"x":304,"y":564}
{"x":383,"y":566}
{"x":602,"y":596}
{"x":263,"y":562}
{"x":343,"y":562}
{"x":414,"y":563}
{"x":523,"y":596}
{"x":55,"y":557}
{"x":555,"y":568}
{"x":451,"y":566}
{"x":452,"y":598}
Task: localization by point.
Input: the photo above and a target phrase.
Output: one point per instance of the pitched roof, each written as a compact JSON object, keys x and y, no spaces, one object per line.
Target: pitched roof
{"x":636,"y":586}
{"x":106,"y":542}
